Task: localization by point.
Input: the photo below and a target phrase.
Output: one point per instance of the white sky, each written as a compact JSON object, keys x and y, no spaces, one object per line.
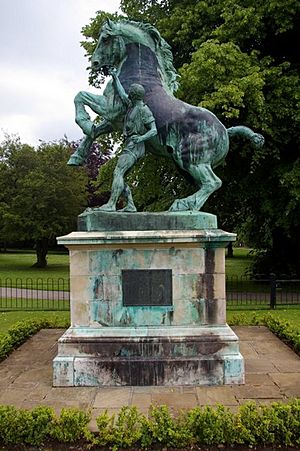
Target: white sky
{"x":43,"y":66}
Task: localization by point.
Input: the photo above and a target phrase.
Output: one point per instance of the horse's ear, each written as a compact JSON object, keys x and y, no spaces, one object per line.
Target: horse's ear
{"x":110,"y":23}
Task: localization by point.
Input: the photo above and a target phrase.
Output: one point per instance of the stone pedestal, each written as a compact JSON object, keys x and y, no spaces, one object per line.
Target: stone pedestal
{"x":148,"y":303}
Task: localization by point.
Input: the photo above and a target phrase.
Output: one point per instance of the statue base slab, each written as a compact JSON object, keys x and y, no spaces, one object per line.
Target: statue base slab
{"x":143,"y":356}
{"x":148,"y":304}
{"x":94,"y":219}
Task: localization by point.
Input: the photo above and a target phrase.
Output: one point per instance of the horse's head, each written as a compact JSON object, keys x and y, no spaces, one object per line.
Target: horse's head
{"x":113,"y":39}
{"x":110,"y":49}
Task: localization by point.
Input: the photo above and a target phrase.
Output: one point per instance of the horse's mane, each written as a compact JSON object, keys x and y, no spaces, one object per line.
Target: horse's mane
{"x":163,"y":49}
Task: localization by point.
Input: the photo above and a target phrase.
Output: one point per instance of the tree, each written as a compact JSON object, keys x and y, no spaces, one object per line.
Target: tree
{"x":238,"y":59}
{"x":101,"y":152}
{"x":41,"y":195}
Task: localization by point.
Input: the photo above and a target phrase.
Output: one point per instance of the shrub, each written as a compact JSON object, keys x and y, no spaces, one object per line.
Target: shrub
{"x":252,"y":425}
{"x":284,"y":330}
{"x":24,"y":426}
{"x":123,"y":431}
{"x":278,"y":424}
{"x":162,"y":428}
{"x":6,"y":346}
{"x":212,"y":425}
{"x":71,"y":426}
{"x":105,"y":424}
{"x":21,"y":331}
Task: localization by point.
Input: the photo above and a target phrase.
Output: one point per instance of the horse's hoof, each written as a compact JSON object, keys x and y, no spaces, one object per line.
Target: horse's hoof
{"x":106,"y":207}
{"x":179,"y":205}
{"x":175,"y":206}
{"x":128,"y":210}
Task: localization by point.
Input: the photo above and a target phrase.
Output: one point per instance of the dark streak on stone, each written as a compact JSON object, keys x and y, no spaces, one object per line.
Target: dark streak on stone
{"x":209,"y":261}
{"x":117,"y":253}
{"x":98,"y":285}
{"x":211,"y":310}
{"x":171,"y":315}
{"x":152,"y":349}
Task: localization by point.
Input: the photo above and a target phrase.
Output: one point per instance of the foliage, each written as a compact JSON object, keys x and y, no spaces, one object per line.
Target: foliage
{"x":100,"y":153}
{"x":41,"y":195}
{"x":105,"y":424}
{"x":238,"y":59}
{"x":6,"y":346}
{"x":19,"y":332}
{"x":70,"y":426}
{"x":57,"y":319}
{"x":280,"y":327}
{"x":285,"y":332}
{"x":122,"y":431}
{"x":277,"y":424}
{"x":24,"y":426}
{"x":162,"y":428}
{"x":212,"y":425}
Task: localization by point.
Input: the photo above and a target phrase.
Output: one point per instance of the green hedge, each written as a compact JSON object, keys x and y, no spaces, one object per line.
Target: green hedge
{"x":21,"y":331}
{"x":277,"y":424}
{"x":285,"y":332}
{"x":283,"y":329}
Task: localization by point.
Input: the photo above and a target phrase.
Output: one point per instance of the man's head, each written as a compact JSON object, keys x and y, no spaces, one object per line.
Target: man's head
{"x":136,"y":92}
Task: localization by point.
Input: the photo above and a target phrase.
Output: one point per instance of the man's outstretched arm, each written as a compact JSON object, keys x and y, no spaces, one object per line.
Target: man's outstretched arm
{"x":121,"y":91}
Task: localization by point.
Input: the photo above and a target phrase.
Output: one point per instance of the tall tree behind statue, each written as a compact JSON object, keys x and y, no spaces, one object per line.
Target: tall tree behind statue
{"x":245,"y":68}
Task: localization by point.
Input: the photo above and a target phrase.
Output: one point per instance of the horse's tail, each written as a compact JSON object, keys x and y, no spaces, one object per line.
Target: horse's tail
{"x":256,"y":139}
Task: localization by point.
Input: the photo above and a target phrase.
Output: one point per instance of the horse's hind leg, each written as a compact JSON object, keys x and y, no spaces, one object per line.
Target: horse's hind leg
{"x":207,"y":180}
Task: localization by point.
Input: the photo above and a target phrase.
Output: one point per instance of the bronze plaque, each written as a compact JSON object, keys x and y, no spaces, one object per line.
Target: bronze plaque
{"x":142,"y":287}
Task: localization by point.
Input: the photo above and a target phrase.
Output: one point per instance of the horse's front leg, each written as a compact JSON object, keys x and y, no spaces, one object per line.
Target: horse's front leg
{"x":98,"y":104}
{"x":79,"y":157}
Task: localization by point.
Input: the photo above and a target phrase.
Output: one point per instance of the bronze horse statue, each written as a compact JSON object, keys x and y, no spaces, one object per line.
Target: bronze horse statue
{"x":193,"y":136}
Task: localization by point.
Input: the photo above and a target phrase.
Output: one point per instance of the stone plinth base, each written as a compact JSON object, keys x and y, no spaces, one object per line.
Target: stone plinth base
{"x":148,"y":356}
{"x":148,"y":302}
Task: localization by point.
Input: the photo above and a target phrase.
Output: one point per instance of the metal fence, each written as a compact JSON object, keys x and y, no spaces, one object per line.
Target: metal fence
{"x":262,"y":292}
{"x":34,"y":294}
{"x":241,"y":292}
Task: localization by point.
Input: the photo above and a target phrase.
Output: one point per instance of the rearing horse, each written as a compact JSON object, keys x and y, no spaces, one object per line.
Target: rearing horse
{"x":193,"y":136}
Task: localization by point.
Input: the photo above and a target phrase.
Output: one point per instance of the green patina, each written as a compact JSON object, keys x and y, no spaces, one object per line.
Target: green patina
{"x":140,"y":101}
{"x":95,"y":220}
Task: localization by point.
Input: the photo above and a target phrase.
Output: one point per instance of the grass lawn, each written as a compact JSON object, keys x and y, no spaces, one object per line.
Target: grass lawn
{"x":18,"y":265}
{"x":239,"y":264}
{"x":25,"y":303}
{"x":8,"y":319}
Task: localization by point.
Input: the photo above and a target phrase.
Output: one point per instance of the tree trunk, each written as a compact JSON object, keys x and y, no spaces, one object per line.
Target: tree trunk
{"x":230,"y":250}
{"x":41,"y":253}
{"x":4,"y":246}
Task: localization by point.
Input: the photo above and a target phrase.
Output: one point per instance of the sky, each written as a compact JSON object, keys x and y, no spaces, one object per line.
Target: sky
{"x":42,"y":66}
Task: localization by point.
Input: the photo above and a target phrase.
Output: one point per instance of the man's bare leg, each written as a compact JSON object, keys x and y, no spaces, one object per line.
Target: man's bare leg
{"x":125,"y":162}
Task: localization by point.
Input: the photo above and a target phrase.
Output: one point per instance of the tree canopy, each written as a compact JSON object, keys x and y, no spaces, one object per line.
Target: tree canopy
{"x":40,"y":195}
{"x":240,"y":60}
